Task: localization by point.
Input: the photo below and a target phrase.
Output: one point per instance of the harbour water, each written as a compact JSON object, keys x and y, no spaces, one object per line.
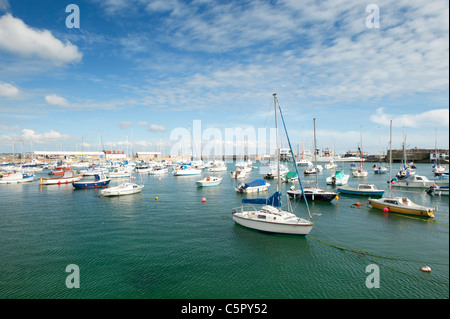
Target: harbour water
{"x":178,"y":247}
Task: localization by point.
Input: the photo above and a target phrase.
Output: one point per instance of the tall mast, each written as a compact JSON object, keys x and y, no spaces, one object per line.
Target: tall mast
{"x":277,"y":151}
{"x":361,"y":150}
{"x":315,"y":155}
{"x":390,"y":159}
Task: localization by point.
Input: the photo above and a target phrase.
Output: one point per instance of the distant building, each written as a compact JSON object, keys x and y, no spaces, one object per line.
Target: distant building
{"x":418,"y":155}
{"x":115,"y":155}
{"x":148,"y":156}
{"x":68,"y":155}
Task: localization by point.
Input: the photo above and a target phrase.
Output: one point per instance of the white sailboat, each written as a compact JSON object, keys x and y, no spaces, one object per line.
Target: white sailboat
{"x":270,"y":217}
{"x":360,"y":171}
{"x":313,"y":193}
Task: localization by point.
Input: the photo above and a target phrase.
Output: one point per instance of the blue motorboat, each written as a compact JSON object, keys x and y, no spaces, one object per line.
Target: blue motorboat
{"x":100,"y":180}
{"x":362,"y":189}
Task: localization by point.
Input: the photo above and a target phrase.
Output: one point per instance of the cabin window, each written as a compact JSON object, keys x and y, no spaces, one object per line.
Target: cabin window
{"x":262,"y":216}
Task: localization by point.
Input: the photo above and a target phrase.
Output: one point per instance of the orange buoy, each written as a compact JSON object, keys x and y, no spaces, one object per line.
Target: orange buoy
{"x":358,"y":204}
{"x":203,"y":200}
{"x":386,"y":210}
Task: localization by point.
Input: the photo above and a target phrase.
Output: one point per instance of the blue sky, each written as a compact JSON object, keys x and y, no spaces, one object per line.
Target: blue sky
{"x":152,"y":67}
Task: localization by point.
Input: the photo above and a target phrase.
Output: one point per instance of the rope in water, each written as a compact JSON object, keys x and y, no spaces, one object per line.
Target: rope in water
{"x":368,"y":255}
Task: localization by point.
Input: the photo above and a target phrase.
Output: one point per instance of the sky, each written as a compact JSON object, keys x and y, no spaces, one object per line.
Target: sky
{"x":142,"y":74}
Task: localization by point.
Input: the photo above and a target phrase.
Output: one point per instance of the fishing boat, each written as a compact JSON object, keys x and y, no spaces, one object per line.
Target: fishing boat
{"x":338,"y":179}
{"x":100,"y":180}
{"x":209,"y":181}
{"x":271,"y":217}
{"x":16,"y":178}
{"x":438,"y":190}
{"x":414,"y":181}
{"x":401,"y":205}
{"x":68,"y":177}
{"x":238,"y":174}
{"x":312,"y":194}
{"x":362,"y":189}
{"x":186,"y":170}
{"x":256,"y":186}
{"x":126,"y":188}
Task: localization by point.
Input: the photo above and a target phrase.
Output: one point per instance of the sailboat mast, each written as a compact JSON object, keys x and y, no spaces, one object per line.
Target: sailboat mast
{"x":315,"y":155}
{"x":361,"y":150}
{"x":277,"y":151}
{"x":390,"y":158}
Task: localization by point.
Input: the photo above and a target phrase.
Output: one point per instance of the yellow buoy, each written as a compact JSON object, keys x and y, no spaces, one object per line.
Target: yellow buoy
{"x":337,"y":197}
{"x":156,"y":198}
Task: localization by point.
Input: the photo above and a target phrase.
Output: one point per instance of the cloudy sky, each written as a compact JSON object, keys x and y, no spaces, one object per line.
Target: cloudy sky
{"x":147,"y":69}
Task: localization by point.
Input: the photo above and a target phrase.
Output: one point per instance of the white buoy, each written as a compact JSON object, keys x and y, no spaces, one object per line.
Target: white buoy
{"x":426,"y":269}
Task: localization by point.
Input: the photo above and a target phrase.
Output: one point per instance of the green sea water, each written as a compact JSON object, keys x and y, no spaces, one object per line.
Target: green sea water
{"x":178,"y":247}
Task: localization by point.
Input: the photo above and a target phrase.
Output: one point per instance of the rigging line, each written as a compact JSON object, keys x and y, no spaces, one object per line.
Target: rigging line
{"x":293,"y":158}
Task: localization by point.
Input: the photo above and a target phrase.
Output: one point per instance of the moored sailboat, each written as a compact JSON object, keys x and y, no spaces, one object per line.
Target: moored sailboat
{"x":270,"y":217}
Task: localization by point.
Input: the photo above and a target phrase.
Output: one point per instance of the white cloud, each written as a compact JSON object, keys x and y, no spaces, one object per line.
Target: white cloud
{"x":29,"y":135}
{"x":56,"y":100}
{"x":432,"y":118}
{"x":18,"y":38}
{"x":156,"y":128}
{"x":8,"y":90}
{"x":9,"y":128}
{"x":125,"y":124}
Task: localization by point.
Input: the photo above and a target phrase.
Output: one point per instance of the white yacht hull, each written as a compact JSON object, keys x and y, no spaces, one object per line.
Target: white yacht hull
{"x":302,"y":229}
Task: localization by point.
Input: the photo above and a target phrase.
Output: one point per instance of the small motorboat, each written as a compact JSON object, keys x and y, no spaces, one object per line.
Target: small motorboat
{"x":362,"y":189}
{"x":126,"y":188}
{"x":401,"y":205}
{"x":16,"y":178}
{"x":209,"y":181}
{"x":256,"y":186}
